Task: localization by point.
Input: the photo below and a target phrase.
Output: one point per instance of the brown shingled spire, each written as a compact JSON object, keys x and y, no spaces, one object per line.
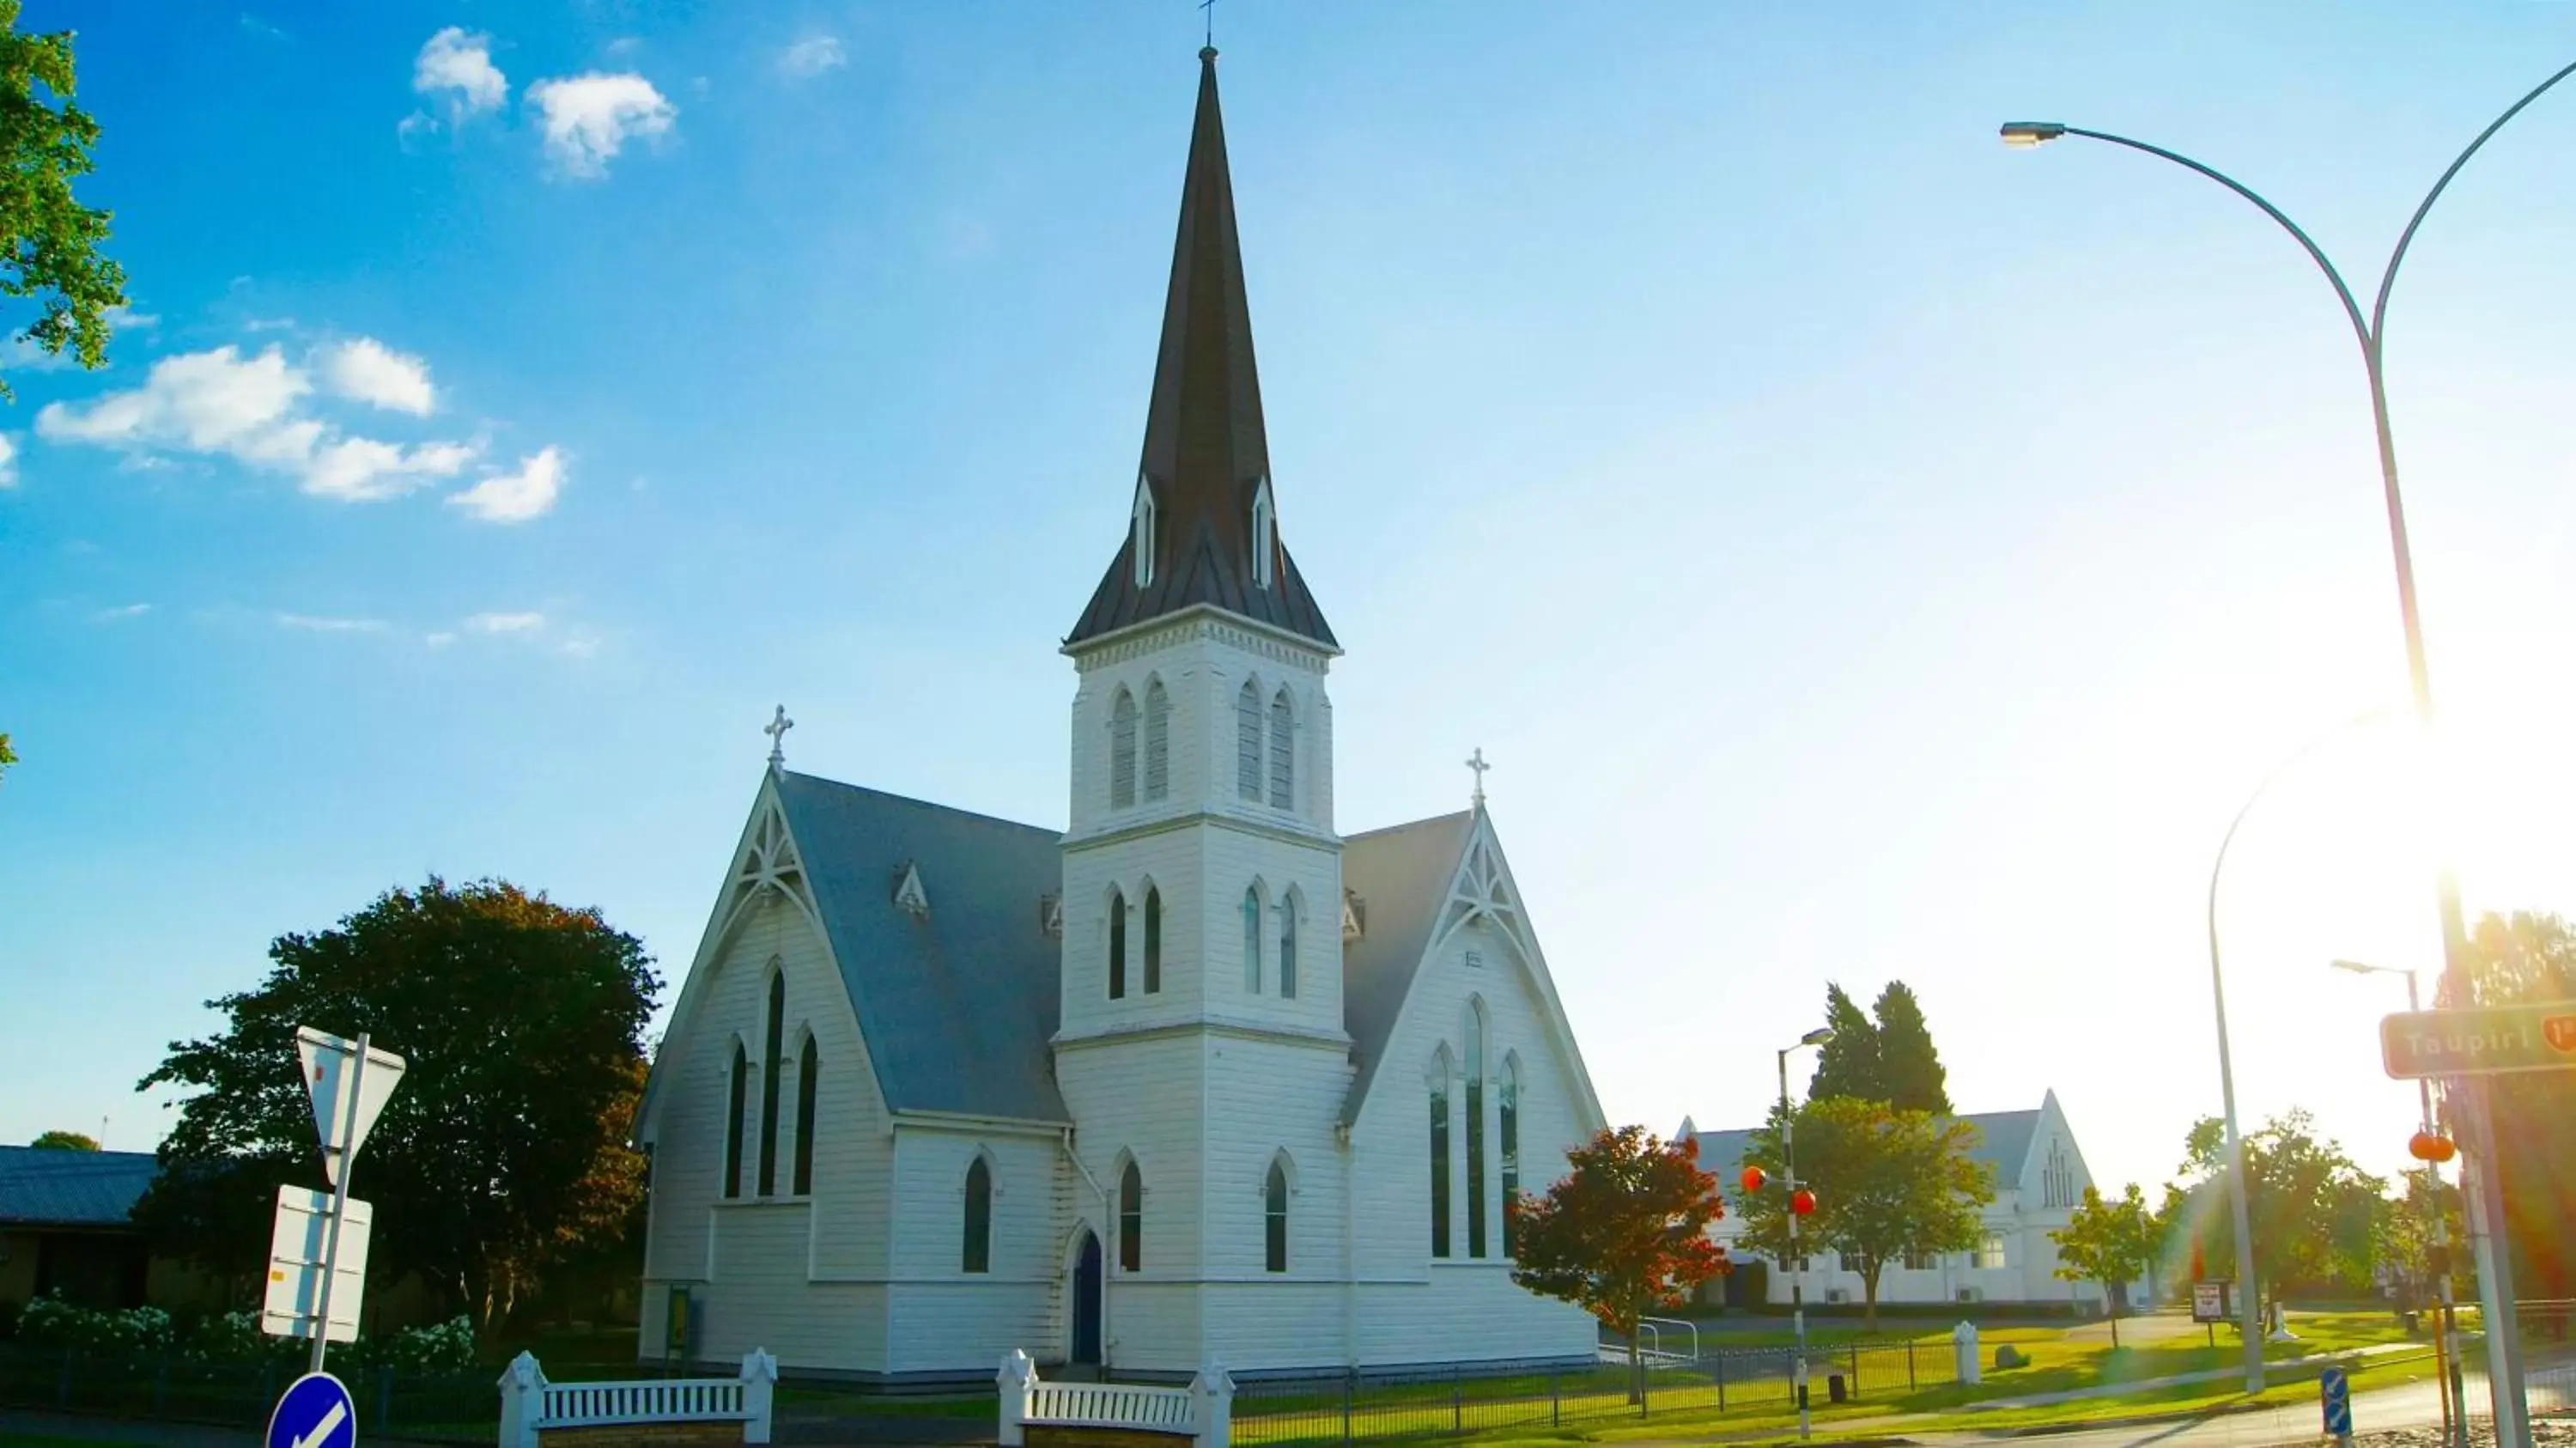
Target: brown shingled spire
{"x":1206,"y":457}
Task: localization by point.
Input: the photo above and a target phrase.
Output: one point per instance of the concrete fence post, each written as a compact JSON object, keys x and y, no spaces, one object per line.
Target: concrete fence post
{"x":1963,"y":1352}
{"x":1018,"y":1382}
{"x":759,"y":1388}
{"x":1212,"y":1407}
{"x":523,"y":1401}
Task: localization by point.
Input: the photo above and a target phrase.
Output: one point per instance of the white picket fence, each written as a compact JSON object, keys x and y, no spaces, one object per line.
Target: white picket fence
{"x":530,"y":1405}
{"x":1203,"y":1412}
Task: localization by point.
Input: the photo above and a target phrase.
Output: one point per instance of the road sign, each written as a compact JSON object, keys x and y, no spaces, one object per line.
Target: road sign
{"x":314,"y":1412}
{"x":2334,"y":1391}
{"x":327,"y":1061}
{"x":2209,"y":1300}
{"x":2484,"y":1041}
{"x":299,"y":1240}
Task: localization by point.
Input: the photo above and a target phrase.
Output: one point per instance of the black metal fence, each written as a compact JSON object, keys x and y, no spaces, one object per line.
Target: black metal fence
{"x":1359,"y":1407}
{"x":464,"y":1405}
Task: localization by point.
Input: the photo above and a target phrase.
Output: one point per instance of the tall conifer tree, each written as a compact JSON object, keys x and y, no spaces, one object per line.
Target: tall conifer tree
{"x":1847,"y":1065}
{"x":1909,"y":1069}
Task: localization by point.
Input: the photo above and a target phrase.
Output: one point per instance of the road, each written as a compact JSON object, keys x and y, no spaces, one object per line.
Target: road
{"x":2552,"y":1390}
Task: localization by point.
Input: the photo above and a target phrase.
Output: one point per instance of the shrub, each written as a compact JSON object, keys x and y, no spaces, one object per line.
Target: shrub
{"x":48,"y":1321}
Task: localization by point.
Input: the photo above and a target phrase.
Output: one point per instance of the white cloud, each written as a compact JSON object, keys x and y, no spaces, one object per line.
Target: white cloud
{"x":249,"y":409}
{"x":121,"y":317}
{"x":313,"y":623}
{"x":457,"y":64}
{"x":589,"y":118}
{"x":121,"y":611}
{"x":516,"y":497}
{"x":370,"y":371}
{"x":810,"y":57}
{"x":501,"y":623}
{"x":439,"y":640}
{"x":8,"y":461}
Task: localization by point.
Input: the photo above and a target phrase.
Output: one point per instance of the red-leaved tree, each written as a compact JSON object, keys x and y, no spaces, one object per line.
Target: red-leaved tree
{"x":1624,"y":1231}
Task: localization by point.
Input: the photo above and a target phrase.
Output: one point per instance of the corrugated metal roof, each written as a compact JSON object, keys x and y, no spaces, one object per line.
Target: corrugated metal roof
{"x":1206,"y":451}
{"x":71,"y":1188}
{"x":957,"y":1005}
{"x":1402,"y":875}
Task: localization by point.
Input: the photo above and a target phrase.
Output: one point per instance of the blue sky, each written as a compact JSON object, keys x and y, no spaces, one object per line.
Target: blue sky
{"x":1865,"y":552}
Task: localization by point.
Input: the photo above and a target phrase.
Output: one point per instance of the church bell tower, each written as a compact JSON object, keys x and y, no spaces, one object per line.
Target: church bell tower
{"x":1201,"y":1041}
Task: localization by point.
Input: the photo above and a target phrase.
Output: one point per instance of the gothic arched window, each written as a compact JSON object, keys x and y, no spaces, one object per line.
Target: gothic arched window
{"x":1117,"y":946}
{"x":1122,"y":751}
{"x":1288,"y":947}
{"x":1153,"y":940}
{"x":1475,"y":1127}
{"x":1264,"y":536}
{"x":808,"y":1067}
{"x":978,"y":1256}
{"x":1283,"y":769}
{"x":1511,"y":1145}
{"x":1247,"y":741}
{"x":1131,"y":1219}
{"x":769,"y":1084}
{"x":1440,"y":1154}
{"x":734,"y":1104}
{"x":1274,"y":1219}
{"x":1158,"y":741}
{"x":1252,"y":940}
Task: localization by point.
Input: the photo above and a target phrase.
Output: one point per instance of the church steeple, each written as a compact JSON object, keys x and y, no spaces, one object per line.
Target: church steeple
{"x":1203,"y":527}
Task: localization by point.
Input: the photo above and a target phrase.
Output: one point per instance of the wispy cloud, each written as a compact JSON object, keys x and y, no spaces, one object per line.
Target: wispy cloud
{"x":811,"y":56}
{"x":8,"y":461}
{"x":120,"y":612}
{"x":455,"y":65}
{"x":506,"y":623}
{"x":371,"y":372}
{"x":516,"y":497}
{"x":589,"y":118}
{"x":124,"y":318}
{"x":316,"y":623}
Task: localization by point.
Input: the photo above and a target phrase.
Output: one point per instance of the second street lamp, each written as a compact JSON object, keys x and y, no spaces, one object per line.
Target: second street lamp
{"x":1791,"y":1195}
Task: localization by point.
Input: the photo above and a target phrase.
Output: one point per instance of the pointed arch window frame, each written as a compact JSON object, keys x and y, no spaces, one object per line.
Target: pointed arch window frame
{"x":1282,"y":776}
{"x":1157,"y":766}
{"x":975,"y":1244}
{"x":1265,"y":536}
{"x":1117,"y":957}
{"x":1131,"y":1217}
{"x":1248,"y":741}
{"x":1476,"y":1028}
{"x":809,"y":1070}
{"x":772,"y":1057}
{"x":1276,"y":1185}
{"x":1143,"y":524}
{"x":1254,"y":915}
{"x":1122,"y":749}
{"x":1153,"y":953}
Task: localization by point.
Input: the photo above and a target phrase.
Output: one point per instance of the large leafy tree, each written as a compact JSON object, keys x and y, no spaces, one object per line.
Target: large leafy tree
{"x":2109,"y":1240}
{"x":2529,"y":958}
{"x":503,"y":1151}
{"x":1889,"y":1184}
{"x":1909,"y":1069}
{"x":1624,"y":1230}
{"x":49,"y":241}
{"x":2316,"y":1215}
{"x":8,"y":756}
{"x":1847,"y":1065}
{"x":64,"y":1141}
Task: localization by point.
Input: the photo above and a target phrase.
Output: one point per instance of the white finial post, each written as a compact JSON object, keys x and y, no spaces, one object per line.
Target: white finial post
{"x":777,"y":732}
{"x":1476,"y":762}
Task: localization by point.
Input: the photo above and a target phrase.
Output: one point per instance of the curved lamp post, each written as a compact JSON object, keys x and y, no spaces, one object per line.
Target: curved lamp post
{"x":2503,"y":1352}
{"x":1788,"y":1198}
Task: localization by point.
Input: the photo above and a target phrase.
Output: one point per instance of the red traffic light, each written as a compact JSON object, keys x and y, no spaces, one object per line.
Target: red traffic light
{"x":1802,"y":1202}
{"x":2431,"y":1146}
{"x":1754,"y":1179}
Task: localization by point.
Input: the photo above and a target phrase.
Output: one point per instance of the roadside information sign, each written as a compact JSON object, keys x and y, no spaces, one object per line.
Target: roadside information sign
{"x":299,"y":1240}
{"x":314,"y":1412}
{"x":2334,"y":1391}
{"x":327,"y":1061}
{"x":2485,"y":1041}
{"x":2209,"y":1300}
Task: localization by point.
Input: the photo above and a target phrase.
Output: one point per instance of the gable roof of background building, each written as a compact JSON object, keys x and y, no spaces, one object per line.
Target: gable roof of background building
{"x":2003,"y":1142}
{"x":1206,"y":452}
{"x":71,"y":1188}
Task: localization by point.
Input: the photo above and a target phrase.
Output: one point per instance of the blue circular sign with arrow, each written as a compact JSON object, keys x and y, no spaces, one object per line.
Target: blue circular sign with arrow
{"x":314,"y":1412}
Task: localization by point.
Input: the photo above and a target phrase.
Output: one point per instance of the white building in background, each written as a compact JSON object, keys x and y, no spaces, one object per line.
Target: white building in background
{"x":2040,"y":1177}
{"x":1196,"y":1078}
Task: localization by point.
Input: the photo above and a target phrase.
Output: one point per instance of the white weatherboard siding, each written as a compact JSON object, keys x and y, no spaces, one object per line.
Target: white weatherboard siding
{"x":942,"y":1314}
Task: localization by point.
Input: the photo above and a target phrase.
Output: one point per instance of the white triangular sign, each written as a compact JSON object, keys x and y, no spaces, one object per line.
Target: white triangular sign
{"x":328,"y":1063}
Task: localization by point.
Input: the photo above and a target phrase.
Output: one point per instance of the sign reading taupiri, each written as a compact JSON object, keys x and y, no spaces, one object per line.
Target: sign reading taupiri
{"x":2482,"y":1041}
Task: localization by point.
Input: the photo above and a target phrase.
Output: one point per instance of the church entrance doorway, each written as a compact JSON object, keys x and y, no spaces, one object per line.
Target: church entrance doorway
{"x":1086,"y":1300}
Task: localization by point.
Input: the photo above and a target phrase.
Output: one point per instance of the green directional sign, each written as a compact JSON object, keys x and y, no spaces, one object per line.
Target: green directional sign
{"x":2479,"y":1042}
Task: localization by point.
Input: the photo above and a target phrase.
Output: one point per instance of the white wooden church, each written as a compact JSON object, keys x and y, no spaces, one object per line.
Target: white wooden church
{"x":1197,"y":1078}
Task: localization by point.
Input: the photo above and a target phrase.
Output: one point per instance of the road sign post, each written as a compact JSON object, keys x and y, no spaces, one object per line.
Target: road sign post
{"x":349,"y":1138}
{"x":348,"y":1083}
{"x":2334,"y":1394}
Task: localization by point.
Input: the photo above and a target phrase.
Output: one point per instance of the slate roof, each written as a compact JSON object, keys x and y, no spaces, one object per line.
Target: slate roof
{"x":956,"y":1006}
{"x":2003,"y":1142}
{"x":71,"y":1188}
{"x":1402,"y":873}
{"x":1206,"y":452}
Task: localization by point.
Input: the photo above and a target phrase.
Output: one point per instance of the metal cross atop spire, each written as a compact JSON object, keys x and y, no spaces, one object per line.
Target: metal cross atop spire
{"x":1476,"y":762}
{"x":777,"y":732}
{"x":1208,"y":8}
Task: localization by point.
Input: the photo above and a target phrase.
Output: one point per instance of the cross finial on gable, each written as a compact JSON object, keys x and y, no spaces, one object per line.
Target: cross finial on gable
{"x":1476,"y":762}
{"x":777,"y":732}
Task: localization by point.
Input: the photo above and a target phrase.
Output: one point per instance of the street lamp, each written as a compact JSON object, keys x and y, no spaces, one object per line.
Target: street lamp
{"x":2455,"y":1404}
{"x":2504,"y":1351}
{"x":1789,"y":1199}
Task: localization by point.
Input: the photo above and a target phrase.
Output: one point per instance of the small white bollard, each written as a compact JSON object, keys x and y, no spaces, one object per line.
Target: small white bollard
{"x":1212,"y":1406}
{"x":759,"y":1385}
{"x":1963,"y":1353}
{"x":523,"y":1401}
{"x":1018,"y":1381}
